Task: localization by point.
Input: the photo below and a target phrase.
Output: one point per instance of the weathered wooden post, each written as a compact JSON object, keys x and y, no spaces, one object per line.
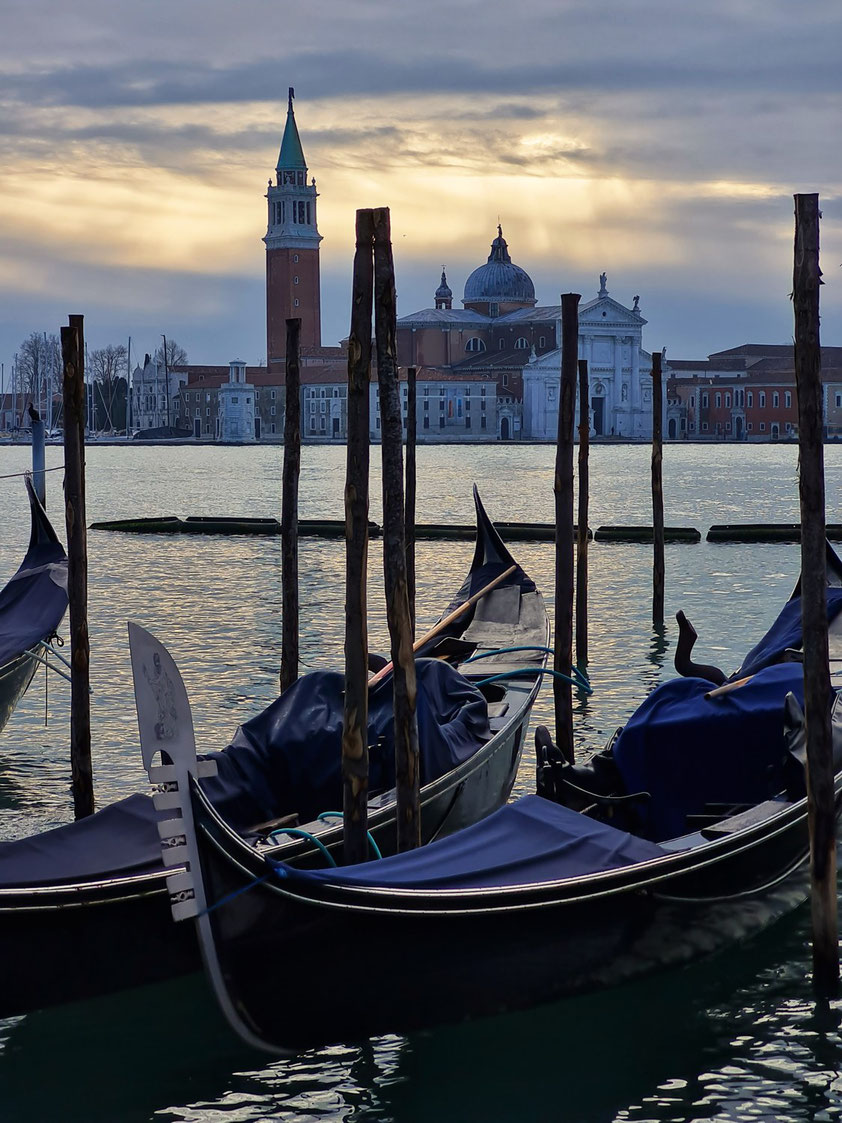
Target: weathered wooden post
{"x":289,"y":509}
{"x":657,"y":494}
{"x":409,"y":520}
{"x":817,"y":688}
{"x":582,"y":536}
{"x":407,"y":774}
{"x":73,"y":389}
{"x":355,"y":719}
{"x":563,"y":488}
{"x":39,"y":464}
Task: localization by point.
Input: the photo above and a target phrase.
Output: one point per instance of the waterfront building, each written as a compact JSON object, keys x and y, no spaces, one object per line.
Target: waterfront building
{"x":156,"y":395}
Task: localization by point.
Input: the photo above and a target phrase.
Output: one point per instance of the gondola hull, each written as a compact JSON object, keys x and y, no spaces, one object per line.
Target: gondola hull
{"x":15,"y":677}
{"x":71,"y":937}
{"x":438,"y":957}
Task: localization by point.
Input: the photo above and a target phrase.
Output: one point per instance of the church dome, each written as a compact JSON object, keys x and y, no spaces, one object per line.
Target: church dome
{"x":499,"y":281}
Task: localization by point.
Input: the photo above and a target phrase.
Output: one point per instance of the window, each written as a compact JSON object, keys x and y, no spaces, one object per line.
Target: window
{"x":234,"y":401}
{"x":312,"y":406}
{"x":762,"y":426}
{"x":467,"y":421}
{"x":749,"y":427}
{"x":295,"y":259}
{"x":426,"y":423}
{"x":502,"y":344}
{"x":482,"y":391}
{"x":272,"y":411}
{"x":787,"y":399}
{"x":705,"y":401}
{"x":426,"y":407}
{"x":718,"y":400}
{"x":776,"y":400}
{"x":207,"y":412}
{"x":704,"y":426}
{"x":322,"y":424}
{"x":312,"y":424}
{"x":475,"y":344}
{"x":728,"y":401}
{"x":505,"y":380}
{"x":493,"y":309}
{"x":248,"y":401}
{"x":727,"y":426}
{"x":542,"y":341}
{"x":839,"y":401}
{"x":761,"y":400}
{"x":295,"y":279}
{"x":521,"y":343}
{"x":750,"y":397}
{"x":295,"y":302}
{"x":482,"y":423}
{"x":273,"y":426}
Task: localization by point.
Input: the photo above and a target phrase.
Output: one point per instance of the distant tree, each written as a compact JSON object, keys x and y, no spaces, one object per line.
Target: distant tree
{"x":107,"y":365}
{"x":176,"y":355}
{"x":39,"y":367}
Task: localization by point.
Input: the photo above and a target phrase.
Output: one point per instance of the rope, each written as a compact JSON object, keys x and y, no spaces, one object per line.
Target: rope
{"x":31,"y":472}
{"x":296,"y":832}
{"x":339,"y":815}
{"x":527,"y":672}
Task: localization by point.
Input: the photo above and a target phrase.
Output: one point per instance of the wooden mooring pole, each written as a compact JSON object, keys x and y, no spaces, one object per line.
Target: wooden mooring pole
{"x":563,"y":489}
{"x":409,"y":519}
{"x":582,"y":529}
{"x":289,"y":509}
{"x":355,"y":718}
{"x":657,"y":493}
{"x":407,"y":775}
{"x":817,"y":688}
{"x":73,"y":390}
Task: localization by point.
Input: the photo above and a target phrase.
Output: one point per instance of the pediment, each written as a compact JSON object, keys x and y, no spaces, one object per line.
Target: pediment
{"x":591,"y":313}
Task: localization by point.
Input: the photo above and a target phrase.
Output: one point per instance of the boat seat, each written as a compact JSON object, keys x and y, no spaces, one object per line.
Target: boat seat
{"x":748,"y":818}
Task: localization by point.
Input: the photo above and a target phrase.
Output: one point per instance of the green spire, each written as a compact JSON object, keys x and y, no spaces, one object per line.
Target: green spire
{"x":292,"y":154}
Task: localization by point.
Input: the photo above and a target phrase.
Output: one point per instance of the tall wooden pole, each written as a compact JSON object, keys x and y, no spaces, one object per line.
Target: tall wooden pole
{"x":409,"y":520}
{"x":817,"y":688}
{"x":289,"y":508}
{"x":73,"y":389}
{"x":657,"y":494}
{"x":407,"y":774}
{"x":355,"y":721}
{"x":582,"y":536}
{"x":563,"y":488}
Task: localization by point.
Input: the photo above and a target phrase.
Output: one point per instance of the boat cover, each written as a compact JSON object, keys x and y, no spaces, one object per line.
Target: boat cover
{"x":34,"y":601}
{"x":784,"y":633}
{"x":687,"y":750}
{"x":289,"y":758}
{"x":531,"y":840}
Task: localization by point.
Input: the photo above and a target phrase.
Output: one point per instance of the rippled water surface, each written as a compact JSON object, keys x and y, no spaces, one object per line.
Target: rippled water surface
{"x":737,"y":1038}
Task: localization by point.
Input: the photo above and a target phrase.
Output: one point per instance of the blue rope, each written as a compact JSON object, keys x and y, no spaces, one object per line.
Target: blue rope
{"x":368,"y":834}
{"x":296,"y":832}
{"x":527,"y":672}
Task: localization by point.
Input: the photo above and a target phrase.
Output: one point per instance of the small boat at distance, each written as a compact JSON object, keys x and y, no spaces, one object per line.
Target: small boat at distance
{"x":84,"y":909}
{"x":32,"y":606}
{"x":694,"y":836}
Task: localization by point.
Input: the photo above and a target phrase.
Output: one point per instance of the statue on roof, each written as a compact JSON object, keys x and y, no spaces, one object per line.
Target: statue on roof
{"x":603,"y":279}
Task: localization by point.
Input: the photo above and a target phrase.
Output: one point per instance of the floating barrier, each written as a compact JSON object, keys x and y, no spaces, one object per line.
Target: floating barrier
{"x":766,"y":532}
{"x":645,"y":534}
{"x":211,"y":524}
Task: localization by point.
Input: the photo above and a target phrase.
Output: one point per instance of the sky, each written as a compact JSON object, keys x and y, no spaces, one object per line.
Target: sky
{"x":658,"y":141}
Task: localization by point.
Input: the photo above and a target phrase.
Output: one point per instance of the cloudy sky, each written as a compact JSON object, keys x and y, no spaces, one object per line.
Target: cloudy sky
{"x":660,"y":141}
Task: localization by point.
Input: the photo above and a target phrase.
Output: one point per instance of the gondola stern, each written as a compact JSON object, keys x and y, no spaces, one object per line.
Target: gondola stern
{"x":42,"y":534}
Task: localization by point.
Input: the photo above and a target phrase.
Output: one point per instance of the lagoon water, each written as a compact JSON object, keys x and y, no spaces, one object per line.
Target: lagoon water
{"x":737,"y":1038}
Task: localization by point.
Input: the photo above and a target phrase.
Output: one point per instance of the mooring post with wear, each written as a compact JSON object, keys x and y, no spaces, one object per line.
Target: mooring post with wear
{"x":355,"y":717}
{"x":582,"y":529}
{"x":409,"y":502}
{"x":39,"y":464}
{"x":563,"y":488}
{"x":407,"y":760}
{"x":289,"y":509}
{"x":73,"y":391}
{"x":821,"y":810}
{"x":657,"y":494}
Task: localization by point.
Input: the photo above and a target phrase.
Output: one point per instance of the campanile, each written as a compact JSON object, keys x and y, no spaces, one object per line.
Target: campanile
{"x":292,"y":249}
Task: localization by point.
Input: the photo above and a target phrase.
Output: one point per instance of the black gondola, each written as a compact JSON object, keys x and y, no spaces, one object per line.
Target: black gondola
{"x":693,"y":834}
{"x":84,"y":909}
{"x":32,"y":605}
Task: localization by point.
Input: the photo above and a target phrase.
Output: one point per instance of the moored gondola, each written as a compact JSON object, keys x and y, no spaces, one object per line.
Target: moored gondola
{"x":84,"y":909}
{"x":32,"y":605}
{"x":694,"y":836}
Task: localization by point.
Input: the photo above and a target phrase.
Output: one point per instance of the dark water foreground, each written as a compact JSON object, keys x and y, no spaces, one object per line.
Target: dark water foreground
{"x":735,"y":1038}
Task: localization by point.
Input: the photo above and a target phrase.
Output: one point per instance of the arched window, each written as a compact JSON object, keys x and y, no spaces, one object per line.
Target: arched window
{"x":521,"y":343}
{"x":475,"y":344}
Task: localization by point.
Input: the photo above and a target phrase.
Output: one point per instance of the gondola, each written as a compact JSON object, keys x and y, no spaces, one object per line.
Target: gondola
{"x":84,"y":909}
{"x":32,"y":605}
{"x":688,"y":834}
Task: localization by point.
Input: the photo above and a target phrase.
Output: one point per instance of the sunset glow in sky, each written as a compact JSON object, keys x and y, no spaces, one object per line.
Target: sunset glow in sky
{"x":655,"y":140}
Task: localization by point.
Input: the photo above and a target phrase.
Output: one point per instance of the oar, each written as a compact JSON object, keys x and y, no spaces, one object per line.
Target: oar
{"x":442,"y":624}
{"x":727,"y":687}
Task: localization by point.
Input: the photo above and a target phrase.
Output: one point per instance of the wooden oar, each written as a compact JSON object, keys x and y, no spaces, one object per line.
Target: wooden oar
{"x":451,"y":616}
{"x":727,"y":687}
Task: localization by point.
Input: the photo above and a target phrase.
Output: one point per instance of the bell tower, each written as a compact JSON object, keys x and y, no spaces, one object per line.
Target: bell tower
{"x":292,"y":249}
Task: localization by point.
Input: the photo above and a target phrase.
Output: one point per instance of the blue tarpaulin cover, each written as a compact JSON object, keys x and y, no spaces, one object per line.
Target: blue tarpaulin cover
{"x":784,"y":633}
{"x":686,"y":750}
{"x":528,"y":841}
{"x":288,"y":758}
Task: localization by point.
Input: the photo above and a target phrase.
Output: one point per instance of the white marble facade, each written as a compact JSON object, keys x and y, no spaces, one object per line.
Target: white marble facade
{"x":620,"y":375}
{"x":236,"y":405}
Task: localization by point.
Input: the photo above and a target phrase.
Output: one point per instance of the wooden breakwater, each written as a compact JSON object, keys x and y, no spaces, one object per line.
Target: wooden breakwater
{"x":510,"y":531}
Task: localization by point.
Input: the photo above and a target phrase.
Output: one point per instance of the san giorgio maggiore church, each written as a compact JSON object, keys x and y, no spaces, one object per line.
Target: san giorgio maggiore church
{"x":489,"y":370}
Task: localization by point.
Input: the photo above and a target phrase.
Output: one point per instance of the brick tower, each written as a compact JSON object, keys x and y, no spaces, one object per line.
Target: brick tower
{"x":292,"y":250}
